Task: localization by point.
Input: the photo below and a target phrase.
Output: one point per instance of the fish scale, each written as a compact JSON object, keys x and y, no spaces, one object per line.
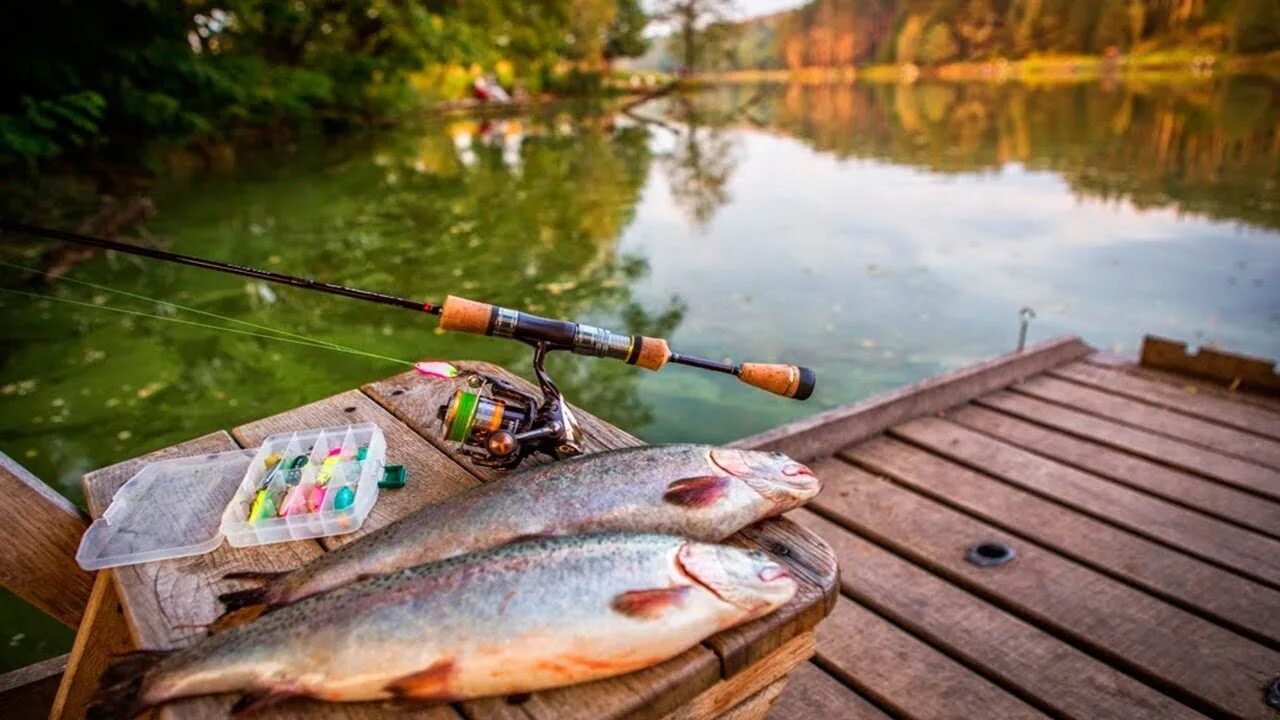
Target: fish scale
{"x":676,"y":489}
{"x":519,"y":618}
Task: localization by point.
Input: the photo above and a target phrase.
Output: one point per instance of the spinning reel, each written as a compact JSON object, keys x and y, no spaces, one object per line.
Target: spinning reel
{"x":498,"y":425}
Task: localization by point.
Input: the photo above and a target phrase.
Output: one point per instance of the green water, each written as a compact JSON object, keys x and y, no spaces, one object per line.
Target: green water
{"x":878,"y":234}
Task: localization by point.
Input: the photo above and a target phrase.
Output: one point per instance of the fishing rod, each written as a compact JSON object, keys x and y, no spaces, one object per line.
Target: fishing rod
{"x":519,"y":419}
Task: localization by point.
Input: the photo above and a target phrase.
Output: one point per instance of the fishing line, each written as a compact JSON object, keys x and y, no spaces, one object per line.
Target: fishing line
{"x":198,"y":311}
{"x":208,"y":326}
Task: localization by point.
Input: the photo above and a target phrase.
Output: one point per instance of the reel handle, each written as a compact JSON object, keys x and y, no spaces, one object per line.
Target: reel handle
{"x":791,"y":381}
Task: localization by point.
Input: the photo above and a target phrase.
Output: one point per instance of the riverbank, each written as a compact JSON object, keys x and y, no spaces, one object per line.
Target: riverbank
{"x":1172,"y":65}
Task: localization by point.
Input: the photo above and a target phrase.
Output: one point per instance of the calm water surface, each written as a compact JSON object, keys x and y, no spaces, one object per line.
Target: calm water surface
{"x":878,"y":234}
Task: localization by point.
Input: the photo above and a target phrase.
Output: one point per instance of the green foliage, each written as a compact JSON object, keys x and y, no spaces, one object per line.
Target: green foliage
{"x":626,"y":33}
{"x":824,"y":33}
{"x":112,"y":76}
{"x":939,"y":45}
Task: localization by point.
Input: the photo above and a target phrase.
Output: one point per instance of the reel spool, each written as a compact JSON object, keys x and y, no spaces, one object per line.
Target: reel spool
{"x":496,"y":424}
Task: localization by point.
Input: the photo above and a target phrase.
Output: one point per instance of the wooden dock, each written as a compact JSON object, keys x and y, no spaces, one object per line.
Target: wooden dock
{"x":1142,"y":511}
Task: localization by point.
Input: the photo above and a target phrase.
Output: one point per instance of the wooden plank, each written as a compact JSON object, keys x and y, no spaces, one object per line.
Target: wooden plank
{"x":1142,"y":415}
{"x":758,"y":705}
{"x":1206,"y":406}
{"x":102,"y":635}
{"x":725,"y":696}
{"x":822,"y":434}
{"x":1233,"y":471}
{"x":1248,"y":553}
{"x":40,"y":534}
{"x":1213,"y":498}
{"x":415,"y":401}
{"x":433,"y":476}
{"x":1046,"y":672}
{"x":903,"y":674}
{"x":168,"y":603}
{"x":1219,"y":389}
{"x":1243,"y":604}
{"x":1208,"y":362}
{"x":27,"y":693}
{"x":812,"y":693}
{"x":1192,"y":660}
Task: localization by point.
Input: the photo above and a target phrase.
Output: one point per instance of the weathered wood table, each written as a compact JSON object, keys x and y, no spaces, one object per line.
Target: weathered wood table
{"x":736,"y":673}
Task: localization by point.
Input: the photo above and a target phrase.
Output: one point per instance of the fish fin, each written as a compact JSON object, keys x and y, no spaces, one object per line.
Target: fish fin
{"x":697,"y":492}
{"x":255,"y":702}
{"x":261,"y":575}
{"x":120,"y":687}
{"x":431,"y":683}
{"x":519,"y":698}
{"x":650,"y":604}
{"x":232,"y":619}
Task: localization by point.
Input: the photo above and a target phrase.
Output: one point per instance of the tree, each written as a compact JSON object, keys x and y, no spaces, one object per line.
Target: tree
{"x":938,"y":45}
{"x":626,"y":32}
{"x":692,"y":16}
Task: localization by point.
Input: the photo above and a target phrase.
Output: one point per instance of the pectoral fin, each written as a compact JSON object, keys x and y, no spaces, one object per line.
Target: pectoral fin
{"x":650,"y":604}
{"x":697,"y":492}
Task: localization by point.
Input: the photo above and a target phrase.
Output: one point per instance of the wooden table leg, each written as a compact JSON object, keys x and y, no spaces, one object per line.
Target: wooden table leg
{"x":757,"y":706}
{"x":752,"y":689}
{"x":103,"y":633}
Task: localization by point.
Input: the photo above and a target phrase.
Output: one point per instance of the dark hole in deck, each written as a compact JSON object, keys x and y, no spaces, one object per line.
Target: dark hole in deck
{"x":349,"y":409}
{"x":989,"y":553}
{"x":780,"y":549}
{"x":397,"y":392}
{"x":1273,"y":692}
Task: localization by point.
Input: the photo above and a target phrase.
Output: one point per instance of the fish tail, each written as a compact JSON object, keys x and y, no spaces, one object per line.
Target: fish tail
{"x":120,"y":688}
{"x":241,"y":606}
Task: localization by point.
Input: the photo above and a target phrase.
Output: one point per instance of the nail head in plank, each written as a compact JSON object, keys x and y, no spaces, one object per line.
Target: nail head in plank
{"x":822,"y":434}
{"x":433,"y":476}
{"x":1231,"y":470}
{"x":1229,"y":598}
{"x":1195,"y":431}
{"x":905,"y":675}
{"x":1178,"y":486}
{"x":1206,"y":406}
{"x":1245,"y":552}
{"x":1015,"y":653}
{"x":1193,"y":660}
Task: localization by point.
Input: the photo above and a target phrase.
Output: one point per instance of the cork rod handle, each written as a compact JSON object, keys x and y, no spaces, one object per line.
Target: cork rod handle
{"x":792,"y":381}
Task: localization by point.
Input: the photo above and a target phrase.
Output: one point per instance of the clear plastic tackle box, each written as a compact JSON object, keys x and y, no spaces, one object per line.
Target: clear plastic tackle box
{"x":298,"y":485}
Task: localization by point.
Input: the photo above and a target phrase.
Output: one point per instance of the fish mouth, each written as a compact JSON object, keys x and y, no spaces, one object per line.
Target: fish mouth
{"x":796,"y":469}
{"x":774,"y":572}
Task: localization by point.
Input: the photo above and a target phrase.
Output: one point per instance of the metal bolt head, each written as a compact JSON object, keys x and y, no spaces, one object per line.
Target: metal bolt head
{"x":1273,"y":692}
{"x":501,"y":443}
{"x":475,"y":381}
{"x":989,"y":553}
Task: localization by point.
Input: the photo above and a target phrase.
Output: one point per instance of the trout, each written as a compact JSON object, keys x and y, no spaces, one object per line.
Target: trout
{"x":695,"y":491}
{"x":523,"y":617}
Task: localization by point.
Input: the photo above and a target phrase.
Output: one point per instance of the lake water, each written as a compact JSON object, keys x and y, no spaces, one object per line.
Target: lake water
{"x":878,"y":234}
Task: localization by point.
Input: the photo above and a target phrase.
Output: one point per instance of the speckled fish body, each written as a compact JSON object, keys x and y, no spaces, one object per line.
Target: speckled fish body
{"x":527,"y":616}
{"x":696,"y":491}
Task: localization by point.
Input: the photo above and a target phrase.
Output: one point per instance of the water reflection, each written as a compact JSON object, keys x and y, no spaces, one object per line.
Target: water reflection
{"x":1207,"y":148}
